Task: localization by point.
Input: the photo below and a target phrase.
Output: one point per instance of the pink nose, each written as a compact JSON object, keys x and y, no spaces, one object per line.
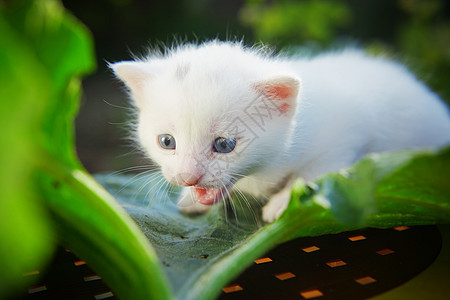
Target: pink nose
{"x":186,"y":179}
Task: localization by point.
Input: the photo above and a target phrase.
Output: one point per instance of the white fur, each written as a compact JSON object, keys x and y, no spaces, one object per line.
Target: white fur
{"x":349,"y":104}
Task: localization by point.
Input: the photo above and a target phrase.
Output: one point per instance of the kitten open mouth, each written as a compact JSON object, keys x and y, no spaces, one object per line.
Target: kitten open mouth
{"x":209,"y":196}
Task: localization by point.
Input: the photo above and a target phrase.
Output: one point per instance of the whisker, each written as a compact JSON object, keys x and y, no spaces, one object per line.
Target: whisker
{"x":155,"y":183}
{"x":225,"y":204}
{"x":249,"y":206}
{"x":130,"y":109}
{"x":163,"y":190}
{"x":154,"y":191}
{"x":239,"y":175}
{"x":149,"y":180}
{"x":133,"y":152}
{"x":231,"y":202}
{"x":134,"y":168}
{"x":133,"y":179}
{"x":170,"y":191}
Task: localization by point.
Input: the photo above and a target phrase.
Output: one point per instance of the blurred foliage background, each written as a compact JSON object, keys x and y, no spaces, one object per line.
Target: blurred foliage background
{"x":416,"y":32}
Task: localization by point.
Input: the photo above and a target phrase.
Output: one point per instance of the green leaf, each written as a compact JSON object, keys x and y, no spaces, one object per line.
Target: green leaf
{"x":93,"y":225}
{"x":25,"y":235}
{"x":65,"y":50}
{"x":295,"y":22}
{"x":47,"y":191}
{"x":187,"y":246}
{"x":417,"y":193}
{"x":382,"y":190}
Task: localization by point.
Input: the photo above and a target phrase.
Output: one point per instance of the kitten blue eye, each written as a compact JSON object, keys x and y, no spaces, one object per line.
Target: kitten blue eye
{"x":166,"y":141}
{"x":223,"y":145}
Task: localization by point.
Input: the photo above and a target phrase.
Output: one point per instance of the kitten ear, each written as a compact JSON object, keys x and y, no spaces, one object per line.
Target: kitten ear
{"x":132,"y":73}
{"x":282,"y":91}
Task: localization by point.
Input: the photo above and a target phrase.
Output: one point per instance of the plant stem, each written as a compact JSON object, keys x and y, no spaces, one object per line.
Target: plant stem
{"x":92,"y":224}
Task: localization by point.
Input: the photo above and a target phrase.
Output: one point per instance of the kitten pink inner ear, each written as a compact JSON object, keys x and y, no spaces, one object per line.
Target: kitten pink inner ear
{"x":131,"y":73}
{"x":282,"y":90}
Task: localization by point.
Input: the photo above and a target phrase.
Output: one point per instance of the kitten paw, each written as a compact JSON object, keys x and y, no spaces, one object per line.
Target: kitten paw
{"x":189,"y":205}
{"x":275,"y":207}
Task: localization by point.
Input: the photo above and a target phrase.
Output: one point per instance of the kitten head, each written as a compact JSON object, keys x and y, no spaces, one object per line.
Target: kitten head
{"x":211,"y":114}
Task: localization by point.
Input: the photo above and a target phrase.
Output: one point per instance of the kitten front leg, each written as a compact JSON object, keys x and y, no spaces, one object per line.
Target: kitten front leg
{"x":277,"y":205}
{"x":188,"y":204}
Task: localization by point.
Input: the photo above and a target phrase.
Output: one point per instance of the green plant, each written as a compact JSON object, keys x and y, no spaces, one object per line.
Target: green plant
{"x":294,"y":22}
{"x":45,"y":191}
{"x":48,"y":197}
{"x":424,"y":39}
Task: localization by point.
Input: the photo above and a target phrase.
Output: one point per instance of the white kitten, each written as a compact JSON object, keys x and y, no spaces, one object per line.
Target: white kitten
{"x":219,"y":116}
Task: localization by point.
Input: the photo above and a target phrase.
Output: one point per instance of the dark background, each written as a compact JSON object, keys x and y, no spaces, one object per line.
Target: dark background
{"x":416,"y":32}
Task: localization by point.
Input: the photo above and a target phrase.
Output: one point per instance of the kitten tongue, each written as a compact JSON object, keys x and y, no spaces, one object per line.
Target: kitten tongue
{"x":208,"y":196}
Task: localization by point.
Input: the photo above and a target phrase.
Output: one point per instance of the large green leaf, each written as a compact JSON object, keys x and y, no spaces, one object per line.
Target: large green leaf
{"x":44,"y":51}
{"x":25,"y":236}
{"x":201,"y":254}
{"x":65,"y":50}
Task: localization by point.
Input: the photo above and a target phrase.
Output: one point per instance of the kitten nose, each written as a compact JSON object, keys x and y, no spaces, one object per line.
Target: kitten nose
{"x":188,"y":179}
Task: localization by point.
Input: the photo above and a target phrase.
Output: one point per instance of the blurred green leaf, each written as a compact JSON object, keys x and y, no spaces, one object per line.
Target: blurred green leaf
{"x":44,"y":52}
{"x":295,"y":22}
{"x":25,"y":236}
{"x":61,"y":45}
{"x":426,"y":48}
{"x":421,"y":9}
